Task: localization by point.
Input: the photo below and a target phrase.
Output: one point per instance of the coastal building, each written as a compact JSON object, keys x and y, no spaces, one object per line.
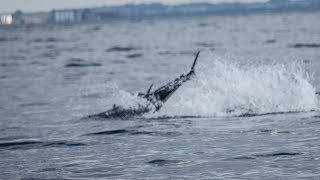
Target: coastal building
{"x":66,"y":16}
{"x":35,"y":18}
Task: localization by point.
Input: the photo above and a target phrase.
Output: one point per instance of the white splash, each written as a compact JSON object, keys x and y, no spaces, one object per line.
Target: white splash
{"x":128,"y":100}
{"x":226,"y":88}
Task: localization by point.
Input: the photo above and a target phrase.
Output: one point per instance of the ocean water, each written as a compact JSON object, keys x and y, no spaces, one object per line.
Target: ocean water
{"x":251,"y":112}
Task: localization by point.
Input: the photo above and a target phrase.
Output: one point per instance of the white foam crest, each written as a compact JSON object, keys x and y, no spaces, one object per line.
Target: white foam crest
{"x":225,"y":88}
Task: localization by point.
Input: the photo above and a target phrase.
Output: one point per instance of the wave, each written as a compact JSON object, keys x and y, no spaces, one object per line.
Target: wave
{"x":225,"y":87}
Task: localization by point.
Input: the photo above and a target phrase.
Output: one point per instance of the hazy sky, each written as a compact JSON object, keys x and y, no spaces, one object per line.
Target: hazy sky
{"x":45,"y":5}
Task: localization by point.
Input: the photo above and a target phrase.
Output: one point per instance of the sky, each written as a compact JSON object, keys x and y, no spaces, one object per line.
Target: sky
{"x":9,"y":6}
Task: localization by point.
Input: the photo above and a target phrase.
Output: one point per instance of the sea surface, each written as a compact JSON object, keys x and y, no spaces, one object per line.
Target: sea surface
{"x":251,"y":112}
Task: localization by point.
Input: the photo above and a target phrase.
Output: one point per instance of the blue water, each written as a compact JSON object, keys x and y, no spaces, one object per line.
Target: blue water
{"x":250,"y":113}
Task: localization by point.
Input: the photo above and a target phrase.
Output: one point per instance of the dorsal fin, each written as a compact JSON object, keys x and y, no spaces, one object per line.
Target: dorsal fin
{"x":195,"y":61}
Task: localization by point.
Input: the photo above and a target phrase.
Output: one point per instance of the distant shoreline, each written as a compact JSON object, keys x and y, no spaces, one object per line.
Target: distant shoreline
{"x":133,"y":12}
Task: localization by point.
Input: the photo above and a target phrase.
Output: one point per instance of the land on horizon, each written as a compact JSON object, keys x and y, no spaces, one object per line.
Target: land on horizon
{"x":134,"y":11}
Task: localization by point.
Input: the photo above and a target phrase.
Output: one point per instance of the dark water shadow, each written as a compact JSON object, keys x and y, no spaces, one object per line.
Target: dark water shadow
{"x":205,"y":44}
{"x":133,"y":132}
{"x":9,"y":64}
{"x":165,"y":53}
{"x":184,"y":52}
{"x":34,"y":104}
{"x":122,"y":49}
{"x":265,"y":131}
{"x":188,"y":52}
{"x":167,"y":162}
{"x":4,"y":77}
{"x":203,"y":24}
{"x":277,"y":154}
{"x":46,"y":40}
{"x":305,"y":45}
{"x":270,"y":41}
{"x":13,"y":138}
{"x":132,"y":56}
{"x":38,"y":63}
{"x":130,"y":116}
{"x":25,"y":145}
{"x":267,"y":155}
{"x":92,"y":95}
{"x":306,"y":61}
{"x":8,"y":39}
{"x":78,"y":62}
{"x":272,"y":113}
{"x":70,"y":65}
{"x":118,"y":61}
{"x":10,"y":128}
{"x":241,"y":158}
{"x":176,"y":117}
